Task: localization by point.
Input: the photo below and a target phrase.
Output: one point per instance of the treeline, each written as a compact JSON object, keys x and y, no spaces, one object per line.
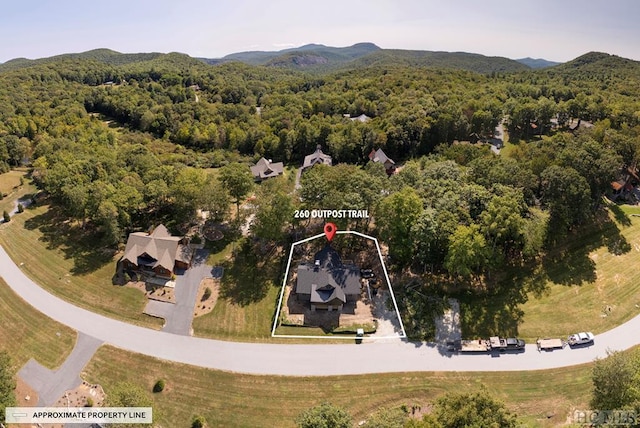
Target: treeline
{"x":177,"y":115}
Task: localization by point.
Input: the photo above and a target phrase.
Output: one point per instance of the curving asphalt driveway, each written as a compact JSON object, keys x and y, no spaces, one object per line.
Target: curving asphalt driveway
{"x":300,"y":360}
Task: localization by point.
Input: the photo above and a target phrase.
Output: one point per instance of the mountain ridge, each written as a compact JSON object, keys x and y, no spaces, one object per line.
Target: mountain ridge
{"x":319,"y":58}
{"x":537,"y":63}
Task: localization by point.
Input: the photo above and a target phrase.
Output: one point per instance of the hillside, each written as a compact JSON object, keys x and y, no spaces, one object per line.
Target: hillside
{"x":537,"y":63}
{"x":282,"y":57}
{"x":321,"y":58}
{"x":105,"y":56}
{"x":610,"y":71}
{"x":455,"y":60}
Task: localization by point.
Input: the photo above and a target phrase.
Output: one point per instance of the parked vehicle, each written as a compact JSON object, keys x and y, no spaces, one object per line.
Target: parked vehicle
{"x":494,"y":343}
{"x":367,"y":273}
{"x":580,"y":338}
{"x":550,"y":344}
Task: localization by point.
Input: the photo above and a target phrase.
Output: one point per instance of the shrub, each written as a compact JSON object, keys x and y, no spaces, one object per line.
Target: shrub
{"x":207,"y":293}
{"x":20,"y":208}
{"x":6,"y":216}
{"x":89,"y":402}
{"x":199,"y":422}
{"x":196,"y":239}
{"x":159,"y":386}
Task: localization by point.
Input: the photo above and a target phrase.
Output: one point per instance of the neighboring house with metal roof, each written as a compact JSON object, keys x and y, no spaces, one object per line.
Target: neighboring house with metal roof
{"x":265,"y":168}
{"x":327,"y":283}
{"x":315,"y":158}
{"x":157,"y":253}
{"x":381,"y":157}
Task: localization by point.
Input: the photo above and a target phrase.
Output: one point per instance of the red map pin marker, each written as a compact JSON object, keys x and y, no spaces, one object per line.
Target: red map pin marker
{"x":330,"y":231}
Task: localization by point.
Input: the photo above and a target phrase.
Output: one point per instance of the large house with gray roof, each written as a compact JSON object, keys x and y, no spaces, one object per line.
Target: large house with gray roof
{"x":315,"y":158}
{"x":157,"y":253}
{"x":327,"y":283}
{"x":265,"y":168}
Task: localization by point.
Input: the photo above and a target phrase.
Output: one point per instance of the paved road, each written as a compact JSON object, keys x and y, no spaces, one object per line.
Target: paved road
{"x":49,"y":384}
{"x":300,"y":360}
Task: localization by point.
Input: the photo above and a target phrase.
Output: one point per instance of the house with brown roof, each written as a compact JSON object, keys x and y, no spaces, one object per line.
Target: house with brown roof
{"x":265,"y":168}
{"x":157,"y":253}
{"x":381,"y":157}
{"x":327,"y":283}
{"x":315,"y":158}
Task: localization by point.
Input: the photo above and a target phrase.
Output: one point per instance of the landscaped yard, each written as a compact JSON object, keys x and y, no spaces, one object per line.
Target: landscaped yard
{"x":228,"y":399}
{"x":543,"y":398}
{"x":591,"y":284}
{"x":52,"y":254}
{"x":248,"y":296}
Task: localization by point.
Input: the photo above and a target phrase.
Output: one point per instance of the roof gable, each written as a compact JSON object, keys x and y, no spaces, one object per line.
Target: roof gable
{"x":159,"y":245}
{"x":265,"y":169}
{"x":317,"y":157}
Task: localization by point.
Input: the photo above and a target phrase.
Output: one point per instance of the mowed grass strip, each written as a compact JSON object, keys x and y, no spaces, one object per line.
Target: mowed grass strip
{"x":540,"y":398}
{"x":9,"y":181}
{"x":53,"y":262}
{"x":247,"y":300}
{"x":27,"y":333}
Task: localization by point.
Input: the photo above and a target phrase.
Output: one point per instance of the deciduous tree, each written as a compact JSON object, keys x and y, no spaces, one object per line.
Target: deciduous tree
{"x":325,"y":415}
{"x":7,"y":384}
{"x":237,"y":180}
{"x":397,"y":215}
{"x":616,"y":381}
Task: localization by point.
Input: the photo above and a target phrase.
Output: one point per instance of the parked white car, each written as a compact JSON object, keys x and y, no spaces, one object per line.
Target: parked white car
{"x":580,"y":338}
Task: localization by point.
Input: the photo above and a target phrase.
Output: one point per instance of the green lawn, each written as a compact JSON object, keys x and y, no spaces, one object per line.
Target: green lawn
{"x":592,"y":283}
{"x":54,"y":254}
{"x":26,"y":333}
{"x":541,"y":398}
{"x":248,"y":294}
{"x":10,"y":181}
{"x":10,"y":186}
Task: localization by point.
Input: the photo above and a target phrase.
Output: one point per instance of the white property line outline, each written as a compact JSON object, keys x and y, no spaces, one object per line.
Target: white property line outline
{"x":403,"y":335}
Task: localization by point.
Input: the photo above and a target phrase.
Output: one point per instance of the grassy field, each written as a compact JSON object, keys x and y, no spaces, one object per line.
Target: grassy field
{"x":248,"y":293}
{"x":592,"y":283}
{"x":10,"y":186}
{"x":69,"y":267}
{"x":10,"y":181}
{"x":541,"y":398}
{"x":26,"y":333}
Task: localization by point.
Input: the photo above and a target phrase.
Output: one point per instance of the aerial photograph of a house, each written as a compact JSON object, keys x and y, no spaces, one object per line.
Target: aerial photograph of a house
{"x":316,"y":158}
{"x":157,"y":253}
{"x":266,"y":168}
{"x":327,"y":283}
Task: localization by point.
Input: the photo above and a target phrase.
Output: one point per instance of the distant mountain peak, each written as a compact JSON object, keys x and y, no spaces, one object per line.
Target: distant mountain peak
{"x":537,"y":62}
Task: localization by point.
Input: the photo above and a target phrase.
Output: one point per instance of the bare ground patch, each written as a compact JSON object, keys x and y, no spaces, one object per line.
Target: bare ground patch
{"x":205,"y":304}
{"x":154,"y":292}
{"x":25,"y":395}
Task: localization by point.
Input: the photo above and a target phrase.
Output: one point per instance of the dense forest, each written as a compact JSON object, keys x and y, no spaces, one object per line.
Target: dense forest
{"x":122,"y":141}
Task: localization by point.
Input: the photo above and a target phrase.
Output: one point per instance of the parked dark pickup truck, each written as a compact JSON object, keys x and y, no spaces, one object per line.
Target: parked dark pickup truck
{"x":493,"y":343}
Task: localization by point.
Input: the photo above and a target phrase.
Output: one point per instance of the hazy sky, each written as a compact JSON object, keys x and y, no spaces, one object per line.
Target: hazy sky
{"x":557,"y":30}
